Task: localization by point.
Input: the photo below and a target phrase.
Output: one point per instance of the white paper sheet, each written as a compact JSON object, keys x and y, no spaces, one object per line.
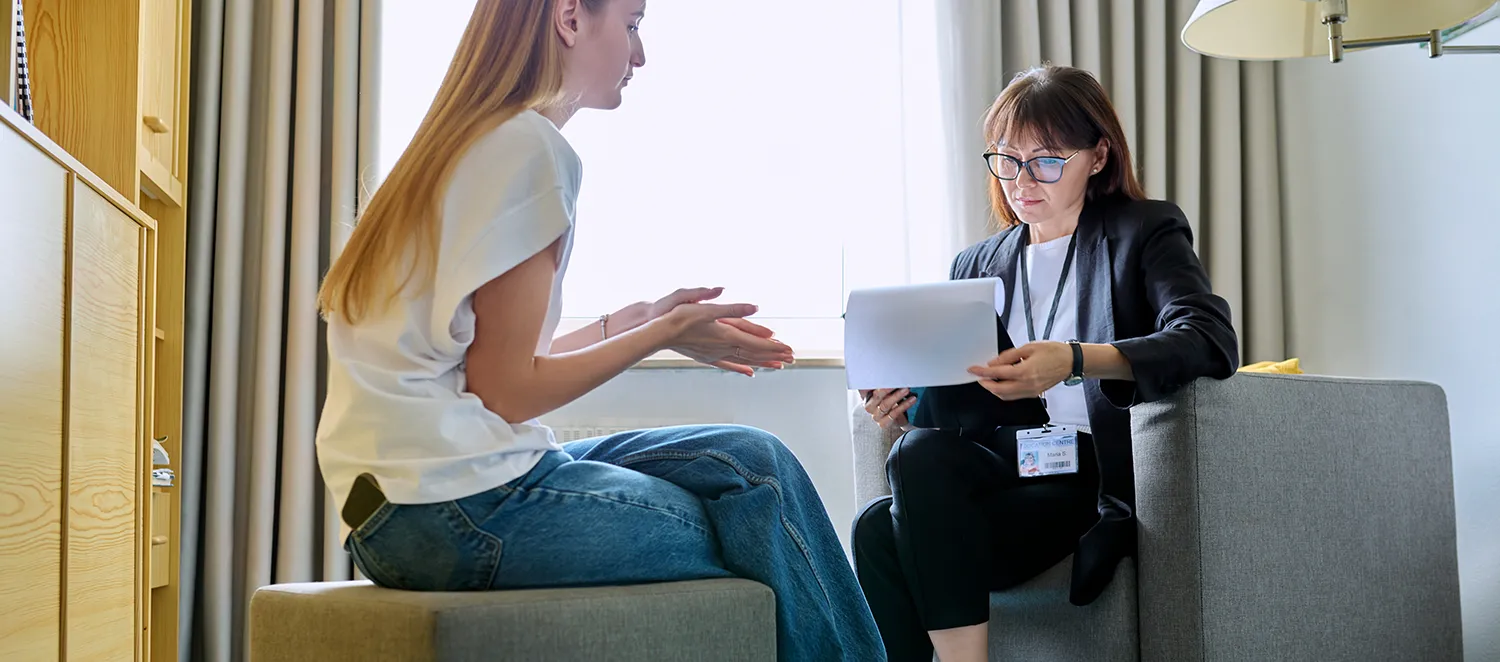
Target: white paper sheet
{"x":920,"y":335}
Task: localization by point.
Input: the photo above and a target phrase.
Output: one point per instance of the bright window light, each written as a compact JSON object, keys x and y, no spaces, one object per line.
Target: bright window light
{"x":759,"y":149}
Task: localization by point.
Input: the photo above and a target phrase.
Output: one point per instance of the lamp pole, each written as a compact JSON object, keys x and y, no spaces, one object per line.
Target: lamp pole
{"x":1336,"y":12}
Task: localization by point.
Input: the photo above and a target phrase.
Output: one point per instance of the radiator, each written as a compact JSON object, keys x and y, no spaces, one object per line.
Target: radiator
{"x":575,"y":432}
{"x":567,"y":433}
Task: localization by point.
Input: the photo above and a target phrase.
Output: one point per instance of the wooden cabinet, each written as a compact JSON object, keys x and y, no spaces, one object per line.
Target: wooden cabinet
{"x":77,"y":349}
{"x":101,"y":174}
{"x":104,"y":439}
{"x":33,"y":263}
{"x":110,"y":86}
{"x":161,"y":534}
{"x":162,"y":103}
{"x":83,"y":83}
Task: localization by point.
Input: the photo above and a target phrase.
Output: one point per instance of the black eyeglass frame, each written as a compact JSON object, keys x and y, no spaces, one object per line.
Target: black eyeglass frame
{"x":1026,"y":165}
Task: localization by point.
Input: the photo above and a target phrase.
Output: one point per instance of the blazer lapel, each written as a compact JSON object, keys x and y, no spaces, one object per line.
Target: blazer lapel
{"x":1096,"y":319}
{"x":1002,"y":265}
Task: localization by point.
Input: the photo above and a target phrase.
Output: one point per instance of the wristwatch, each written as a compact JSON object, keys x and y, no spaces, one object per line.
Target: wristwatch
{"x":1076,"y":377}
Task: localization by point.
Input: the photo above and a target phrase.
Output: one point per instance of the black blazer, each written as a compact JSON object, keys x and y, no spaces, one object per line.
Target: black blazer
{"x":1141,"y":288}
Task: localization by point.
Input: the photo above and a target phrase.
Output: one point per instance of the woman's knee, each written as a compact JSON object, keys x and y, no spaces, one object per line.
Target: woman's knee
{"x":745,"y":441}
{"x":873,"y":528}
{"x":922,"y":452}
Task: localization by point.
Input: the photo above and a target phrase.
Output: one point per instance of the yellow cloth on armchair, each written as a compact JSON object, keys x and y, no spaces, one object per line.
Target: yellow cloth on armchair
{"x":1288,"y":367}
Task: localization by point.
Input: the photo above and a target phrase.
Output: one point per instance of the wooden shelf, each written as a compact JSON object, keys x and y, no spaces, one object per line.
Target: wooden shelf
{"x":157,"y":184}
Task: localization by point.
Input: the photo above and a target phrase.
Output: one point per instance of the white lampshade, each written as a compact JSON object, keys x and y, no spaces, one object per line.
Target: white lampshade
{"x":1282,"y":29}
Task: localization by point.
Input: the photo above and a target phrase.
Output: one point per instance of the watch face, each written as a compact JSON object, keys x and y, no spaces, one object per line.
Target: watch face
{"x":1072,"y":381}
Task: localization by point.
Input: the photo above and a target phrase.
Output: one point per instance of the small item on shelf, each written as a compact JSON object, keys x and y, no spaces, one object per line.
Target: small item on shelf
{"x":162,"y":478}
{"x":23,"y":82}
{"x":159,"y":453}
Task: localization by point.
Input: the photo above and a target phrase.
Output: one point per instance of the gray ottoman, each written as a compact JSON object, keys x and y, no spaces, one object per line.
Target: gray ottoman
{"x":728,"y":620}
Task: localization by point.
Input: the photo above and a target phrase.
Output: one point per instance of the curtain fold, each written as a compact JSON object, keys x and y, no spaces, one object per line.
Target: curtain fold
{"x":207,"y":93}
{"x":276,"y":103}
{"x":1202,"y":131}
{"x":343,"y":146}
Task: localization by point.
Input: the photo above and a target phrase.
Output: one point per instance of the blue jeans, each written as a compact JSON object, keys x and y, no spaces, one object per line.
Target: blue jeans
{"x":654,"y":505}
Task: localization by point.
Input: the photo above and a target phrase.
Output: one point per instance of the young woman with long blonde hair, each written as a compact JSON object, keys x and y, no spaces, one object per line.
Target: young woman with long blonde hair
{"x":441,"y":318}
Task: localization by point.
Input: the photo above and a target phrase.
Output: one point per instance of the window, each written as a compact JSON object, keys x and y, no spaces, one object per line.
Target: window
{"x":759,"y":149}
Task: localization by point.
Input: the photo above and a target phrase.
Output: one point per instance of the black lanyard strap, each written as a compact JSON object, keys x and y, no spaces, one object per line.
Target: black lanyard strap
{"x":1026,"y":285}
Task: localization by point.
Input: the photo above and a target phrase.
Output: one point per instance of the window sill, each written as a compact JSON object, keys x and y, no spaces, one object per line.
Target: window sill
{"x":675,"y":361}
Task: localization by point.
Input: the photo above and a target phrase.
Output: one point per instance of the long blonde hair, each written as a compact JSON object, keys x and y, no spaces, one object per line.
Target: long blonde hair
{"x":509,"y":60}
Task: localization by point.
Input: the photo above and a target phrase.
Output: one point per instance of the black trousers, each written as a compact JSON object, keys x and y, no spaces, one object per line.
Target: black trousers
{"x":961,"y":523}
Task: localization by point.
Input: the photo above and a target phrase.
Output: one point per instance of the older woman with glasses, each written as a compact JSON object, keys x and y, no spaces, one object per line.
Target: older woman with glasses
{"x":1107,"y":306}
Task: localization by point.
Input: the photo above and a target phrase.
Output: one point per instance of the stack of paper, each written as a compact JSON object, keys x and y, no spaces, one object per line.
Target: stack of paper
{"x":920,"y":335}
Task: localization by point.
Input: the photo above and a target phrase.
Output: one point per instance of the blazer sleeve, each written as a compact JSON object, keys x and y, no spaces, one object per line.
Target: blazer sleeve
{"x":1194,"y":335}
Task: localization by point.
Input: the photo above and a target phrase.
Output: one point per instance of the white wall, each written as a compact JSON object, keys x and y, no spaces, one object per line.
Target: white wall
{"x":1391,"y":172}
{"x":806,"y":407}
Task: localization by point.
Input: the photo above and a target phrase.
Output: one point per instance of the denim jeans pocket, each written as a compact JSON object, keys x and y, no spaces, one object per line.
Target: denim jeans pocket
{"x":425,"y":547}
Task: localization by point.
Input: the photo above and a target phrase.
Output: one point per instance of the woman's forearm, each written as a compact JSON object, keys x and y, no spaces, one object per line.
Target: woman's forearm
{"x":556,"y":380}
{"x":1105,"y":362}
{"x":619,"y":322}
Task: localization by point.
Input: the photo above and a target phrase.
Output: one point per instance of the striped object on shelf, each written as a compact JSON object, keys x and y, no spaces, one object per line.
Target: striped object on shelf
{"x":23,"y":83}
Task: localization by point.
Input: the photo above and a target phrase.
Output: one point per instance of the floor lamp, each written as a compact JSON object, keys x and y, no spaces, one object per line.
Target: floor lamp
{"x":1283,"y":29}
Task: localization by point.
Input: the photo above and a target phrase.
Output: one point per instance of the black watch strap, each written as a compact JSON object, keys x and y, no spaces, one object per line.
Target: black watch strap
{"x":1077,"y":359}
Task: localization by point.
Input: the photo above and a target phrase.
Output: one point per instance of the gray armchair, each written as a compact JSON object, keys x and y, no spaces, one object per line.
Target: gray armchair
{"x":1281,"y":518}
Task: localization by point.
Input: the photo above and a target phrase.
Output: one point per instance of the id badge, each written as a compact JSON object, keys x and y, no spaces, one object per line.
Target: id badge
{"x":1047,"y":451}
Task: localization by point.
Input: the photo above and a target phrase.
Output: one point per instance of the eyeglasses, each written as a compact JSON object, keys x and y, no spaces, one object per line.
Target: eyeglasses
{"x":1044,"y":169}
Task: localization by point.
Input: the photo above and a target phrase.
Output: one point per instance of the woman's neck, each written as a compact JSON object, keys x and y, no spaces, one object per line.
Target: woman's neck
{"x":1057,"y":228}
{"x":559,"y":114}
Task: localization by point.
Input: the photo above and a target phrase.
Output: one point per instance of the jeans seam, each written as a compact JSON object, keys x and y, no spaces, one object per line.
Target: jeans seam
{"x":753,"y":478}
{"x":602,"y":497}
{"x":499,"y":544}
{"x":386,"y":578}
{"x":373,"y":524}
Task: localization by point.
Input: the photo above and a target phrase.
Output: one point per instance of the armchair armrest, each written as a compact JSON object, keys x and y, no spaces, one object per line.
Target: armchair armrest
{"x":1297,"y":517}
{"x":871,"y":446}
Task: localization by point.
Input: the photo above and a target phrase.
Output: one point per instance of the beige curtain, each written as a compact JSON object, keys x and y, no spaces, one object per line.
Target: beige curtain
{"x":275,"y":156}
{"x":1202,"y":131}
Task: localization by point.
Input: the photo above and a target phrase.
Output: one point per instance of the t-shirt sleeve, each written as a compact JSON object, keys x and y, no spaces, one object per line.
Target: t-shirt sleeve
{"x":491,"y":225}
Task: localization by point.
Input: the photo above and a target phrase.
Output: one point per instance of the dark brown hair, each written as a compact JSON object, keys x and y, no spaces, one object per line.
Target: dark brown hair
{"x":1061,"y":108}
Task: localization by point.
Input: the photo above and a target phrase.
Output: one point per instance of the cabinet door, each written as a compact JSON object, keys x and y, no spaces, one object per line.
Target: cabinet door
{"x":161,"y":68}
{"x":33,"y":226}
{"x":103,"y":436}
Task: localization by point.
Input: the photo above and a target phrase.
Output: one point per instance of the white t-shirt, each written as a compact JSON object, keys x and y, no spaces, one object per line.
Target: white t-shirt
{"x":1065,"y":404}
{"x":398,"y":406}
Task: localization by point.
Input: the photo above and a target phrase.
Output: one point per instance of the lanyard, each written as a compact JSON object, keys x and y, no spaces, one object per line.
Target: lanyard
{"x":1026,"y":285}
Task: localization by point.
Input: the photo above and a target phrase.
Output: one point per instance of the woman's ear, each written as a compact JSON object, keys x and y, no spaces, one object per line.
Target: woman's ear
{"x":566,"y":21}
{"x":1101,"y":156}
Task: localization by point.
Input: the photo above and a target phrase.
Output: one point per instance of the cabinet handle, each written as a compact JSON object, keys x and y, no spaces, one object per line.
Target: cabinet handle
{"x":158,"y":540}
{"x":155,"y":124}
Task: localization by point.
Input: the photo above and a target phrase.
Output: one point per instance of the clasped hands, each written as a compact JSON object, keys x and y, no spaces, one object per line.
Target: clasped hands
{"x":712,"y":334}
